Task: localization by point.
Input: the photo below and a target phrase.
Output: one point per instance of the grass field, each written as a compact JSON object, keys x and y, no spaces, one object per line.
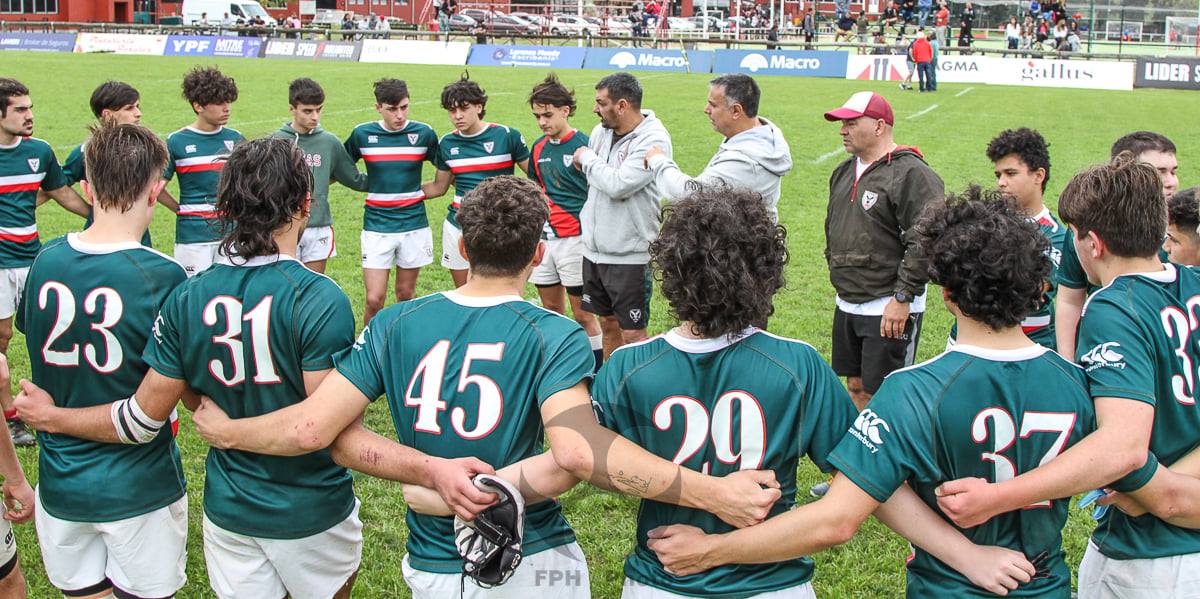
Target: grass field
{"x":952,"y":128}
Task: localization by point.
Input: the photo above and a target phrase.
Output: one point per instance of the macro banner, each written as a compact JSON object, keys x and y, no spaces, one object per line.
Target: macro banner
{"x":797,"y":63}
{"x":121,"y":43}
{"x":199,"y":45}
{"x":1168,"y":73}
{"x":542,"y":57}
{"x":637,"y":59}
{"x":311,"y":50}
{"x":415,"y":52}
{"x":37,"y":42}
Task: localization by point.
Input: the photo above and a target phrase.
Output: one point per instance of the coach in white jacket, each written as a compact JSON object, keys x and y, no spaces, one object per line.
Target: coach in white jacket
{"x":754,"y":155}
{"x":622,"y":213}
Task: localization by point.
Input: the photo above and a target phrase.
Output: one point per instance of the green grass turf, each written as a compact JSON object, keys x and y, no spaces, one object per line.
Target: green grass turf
{"x":1080,"y":126}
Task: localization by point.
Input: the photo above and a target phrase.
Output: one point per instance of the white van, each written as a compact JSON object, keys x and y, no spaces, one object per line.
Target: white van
{"x":216,"y":9}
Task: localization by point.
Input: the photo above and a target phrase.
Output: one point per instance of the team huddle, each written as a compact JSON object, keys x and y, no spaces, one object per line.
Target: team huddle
{"x":971,"y":456}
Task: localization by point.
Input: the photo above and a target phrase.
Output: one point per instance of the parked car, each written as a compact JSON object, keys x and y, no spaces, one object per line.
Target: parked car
{"x":619,"y":26}
{"x":681,"y":24}
{"x":709,"y":23}
{"x":478,"y":14}
{"x":461,"y":22}
{"x":504,"y":24}
{"x":539,"y":20}
{"x":571,"y":25}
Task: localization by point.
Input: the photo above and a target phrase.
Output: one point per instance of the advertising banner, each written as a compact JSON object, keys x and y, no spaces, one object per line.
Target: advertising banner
{"x":802,"y":63}
{"x":883,"y":67}
{"x":638,"y":59}
{"x":415,"y":52}
{"x":198,"y":45}
{"x":37,"y":42}
{"x":542,"y":57}
{"x":1080,"y":74}
{"x":121,"y":43}
{"x":311,"y":50}
{"x":1169,"y":73}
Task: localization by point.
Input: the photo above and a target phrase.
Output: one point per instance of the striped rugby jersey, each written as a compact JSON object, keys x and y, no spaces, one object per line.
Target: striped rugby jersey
{"x":394,"y":201}
{"x":565,"y":186}
{"x":198,"y":158}
{"x":474,"y":158}
{"x":25,"y":167}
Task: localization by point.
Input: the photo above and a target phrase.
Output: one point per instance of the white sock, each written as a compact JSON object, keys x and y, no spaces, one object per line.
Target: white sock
{"x":597,"y":341}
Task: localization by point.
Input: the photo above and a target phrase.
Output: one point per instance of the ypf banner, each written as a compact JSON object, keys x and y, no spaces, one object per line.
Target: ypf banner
{"x":198,"y":45}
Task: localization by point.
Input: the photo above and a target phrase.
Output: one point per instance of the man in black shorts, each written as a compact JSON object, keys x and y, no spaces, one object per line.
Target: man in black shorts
{"x":875,"y":197}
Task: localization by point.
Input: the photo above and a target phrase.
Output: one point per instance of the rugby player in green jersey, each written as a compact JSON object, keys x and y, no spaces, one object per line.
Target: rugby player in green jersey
{"x":994,"y":404}
{"x":1138,"y":347}
{"x":1183,"y":219}
{"x":481,"y":372}
{"x":112,"y":517}
{"x":19,"y":501}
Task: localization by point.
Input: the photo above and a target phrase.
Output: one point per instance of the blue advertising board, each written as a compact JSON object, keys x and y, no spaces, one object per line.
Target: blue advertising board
{"x":638,"y":59}
{"x":202,"y":45}
{"x":542,"y":57}
{"x":801,"y":63}
{"x":37,"y":42}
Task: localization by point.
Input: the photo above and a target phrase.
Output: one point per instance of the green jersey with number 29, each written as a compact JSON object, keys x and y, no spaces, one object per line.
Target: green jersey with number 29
{"x":466,"y":376}
{"x":974,"y":412}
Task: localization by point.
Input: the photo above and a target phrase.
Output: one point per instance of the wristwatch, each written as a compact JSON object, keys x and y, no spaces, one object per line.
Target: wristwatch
{"x":903,"y":297}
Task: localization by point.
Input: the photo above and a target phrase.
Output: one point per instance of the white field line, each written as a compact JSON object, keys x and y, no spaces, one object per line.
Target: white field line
{"x":923,"y":112}
{"x":963,"y":92}
{"x":828,"y":155}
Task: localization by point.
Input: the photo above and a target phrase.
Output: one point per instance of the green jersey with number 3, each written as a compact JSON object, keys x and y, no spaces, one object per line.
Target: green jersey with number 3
{"x":974,"y":412}
{"x":1138,"y":341}
{"x":244,"y":334}
{"x":758,"y":402}
{"x":87,"y":313}
{"x":466,"y":376}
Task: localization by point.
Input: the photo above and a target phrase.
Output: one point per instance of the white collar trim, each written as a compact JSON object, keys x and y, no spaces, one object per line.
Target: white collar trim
{"x":472,"y":301}
{"x":1001,"y":355}
{"x":254,"y":261}
{"x":706,"y":345}
{"x":84,"y":247}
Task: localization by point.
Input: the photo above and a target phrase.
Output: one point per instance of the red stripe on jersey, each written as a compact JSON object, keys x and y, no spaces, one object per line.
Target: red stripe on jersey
{"x":470,"y":168}
{"x":395,"y":203}
{"x":1033,"y":328}
{"x":31,"y":186}
{"x":564,"y":224}
{"x":199,"y":213}
{"x":18,"y":238}
{"x":393,"y":157}
{"x":197,"y":168}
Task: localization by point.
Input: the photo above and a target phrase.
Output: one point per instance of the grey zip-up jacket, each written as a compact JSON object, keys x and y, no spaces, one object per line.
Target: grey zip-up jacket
{"x":622,"y":214}
{"x":756,"y":158}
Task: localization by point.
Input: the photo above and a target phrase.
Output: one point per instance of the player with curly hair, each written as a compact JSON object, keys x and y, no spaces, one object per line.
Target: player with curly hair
{"x":1183,"y":218}
{"x":473,"y":152}
{"x":958,"y":414}
{"x":197,"y":153}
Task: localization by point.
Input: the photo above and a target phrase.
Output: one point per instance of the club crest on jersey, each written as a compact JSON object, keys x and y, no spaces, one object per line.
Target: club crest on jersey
{"x":34,"y":163}
{"x":868,"y":428}
{"x":488,"y":146}
{"x":229,"y":145}
{"x":1104,"y":355}
{"x":412,"y":138}
{"x":567,"y":158}
{"x":372,"y":139}
{"x":869,"y":199}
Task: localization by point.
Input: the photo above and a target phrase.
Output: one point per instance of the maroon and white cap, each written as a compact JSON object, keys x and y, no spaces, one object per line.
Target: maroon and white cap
{"x":868,"y":104}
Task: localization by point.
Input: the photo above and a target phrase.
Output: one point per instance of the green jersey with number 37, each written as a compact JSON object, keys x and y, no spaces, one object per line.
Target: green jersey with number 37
{"x":758,"y":402}
{"x":974,"y":412}
{"x":466,"y":376}
{"x":1138,"y":341}
{"x":87,"y":313}
{"x":244,"y":334}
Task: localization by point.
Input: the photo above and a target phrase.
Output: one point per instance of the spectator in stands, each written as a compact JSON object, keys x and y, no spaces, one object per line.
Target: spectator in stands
{"x":809,"y":26}
{"x":966,"y":22}
{"x":922,"y":54}
{"x":1027,"y":35}
{"x":1060,"y":34}
{"x":924,"y":10}
{"x":1012,"y":35}
{"x":635,"y":25}
{"x":890,"y":17}
{"x":881,"y":45}
{"x":1035,"y":10}
{"x":773,"y":37}
{"x":1073,"y":43}
{"x":204,"y":18}
{"x":845,"y":29}
{"x":942,"y":24}
{"x":908,"y":12}
{"x":383,"y":29}
{"x":1183,"y":216}
{"x":347,"y":24}
{"x":841,"y":8}
{"x":863,"y":24}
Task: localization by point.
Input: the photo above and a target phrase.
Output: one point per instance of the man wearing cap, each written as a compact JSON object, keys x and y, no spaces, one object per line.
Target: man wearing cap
{"x":875,"y":197}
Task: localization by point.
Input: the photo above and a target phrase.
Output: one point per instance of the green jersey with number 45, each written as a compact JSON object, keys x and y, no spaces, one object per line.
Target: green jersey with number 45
{"x":758,"y":402}
{"x":87,"y":314}
{"x":974,"y":412}
{"x":1138,"y":341}
{"x":244,"y":334}
{"x":466,"y":376}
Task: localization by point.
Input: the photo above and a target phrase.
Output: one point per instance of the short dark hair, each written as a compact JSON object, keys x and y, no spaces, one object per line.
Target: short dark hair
{"x":552,"y":92}
{"x":264,"y":184}
{"x":207,"y":85}
{"x":305,"y":91}
{"x":390,"y":91}
{"x":1142,"y":141}
{"x":9,"y":89}
{"x":988,"y":256}
{"x":720,"y":259}
{"x":1122,"y":201}
{"x":622,"y":86}
{"x":121,"y":162}
{"x":113,"y":95}
{"x":502,"y":220}
{"x":463,"y":92}
{"x":741,"y":89}
{"x":1183,"y":210}
{"x":1027,"y":144}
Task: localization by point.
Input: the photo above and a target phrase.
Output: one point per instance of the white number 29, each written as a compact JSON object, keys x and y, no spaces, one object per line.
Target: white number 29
{"x":698,"y":427}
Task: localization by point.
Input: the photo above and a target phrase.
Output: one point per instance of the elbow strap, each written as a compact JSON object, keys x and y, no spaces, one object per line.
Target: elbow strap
{"x":133,"y":426}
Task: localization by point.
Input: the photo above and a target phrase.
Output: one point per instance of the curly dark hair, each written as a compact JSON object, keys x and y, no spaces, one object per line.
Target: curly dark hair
{"x":502,"y":221}
{"x":991,"y":259}
{"x":720,"y":259}
{"x":1183,"y":210}
{"x":208,"y":85}
{"x":552,"y":92}
{"x":1122,"y":201}
{"x":1027,"y":144}
{"x":463,"y":92}
{"x":263,"y":185}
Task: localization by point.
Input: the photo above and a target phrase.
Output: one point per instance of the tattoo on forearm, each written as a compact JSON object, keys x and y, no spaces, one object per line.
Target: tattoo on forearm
{"x":631,"y":484}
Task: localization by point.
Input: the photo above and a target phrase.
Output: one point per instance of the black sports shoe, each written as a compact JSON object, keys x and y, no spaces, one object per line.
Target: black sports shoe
{"x":20,"y":434}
